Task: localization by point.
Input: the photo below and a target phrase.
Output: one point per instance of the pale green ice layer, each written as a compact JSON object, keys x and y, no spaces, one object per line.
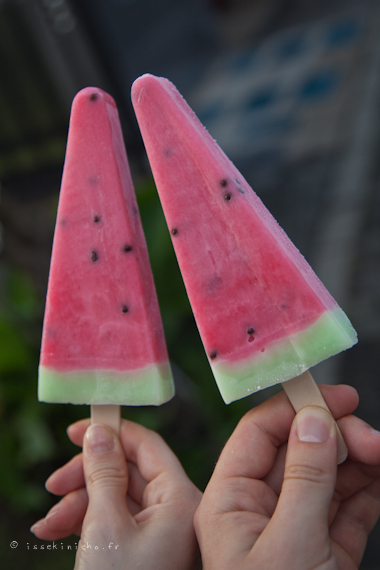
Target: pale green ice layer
{"x":286,"y":358}
{"x":152,"y":385}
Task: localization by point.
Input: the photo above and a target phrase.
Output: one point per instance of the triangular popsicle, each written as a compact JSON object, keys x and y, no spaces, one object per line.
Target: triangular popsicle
{"x":263,"y":315}
{"x":103,"y":340}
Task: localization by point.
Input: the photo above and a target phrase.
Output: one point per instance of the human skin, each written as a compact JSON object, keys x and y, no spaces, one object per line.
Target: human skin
{"x":129,"y":497}
{"x":277,"y":498}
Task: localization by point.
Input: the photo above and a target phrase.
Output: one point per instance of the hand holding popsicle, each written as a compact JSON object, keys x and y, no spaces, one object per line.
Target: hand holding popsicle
{"x":275,"y":505}
{"x":140,"y":503}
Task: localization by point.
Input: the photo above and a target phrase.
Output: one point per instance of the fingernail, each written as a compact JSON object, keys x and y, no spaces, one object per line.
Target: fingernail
{"x":314,"y":425}
{"x":37,"y":525}
{"x":53,"y":511}
{"x":374,"y":431}
{"x":47,"y":483}
{"x":99,"y":440}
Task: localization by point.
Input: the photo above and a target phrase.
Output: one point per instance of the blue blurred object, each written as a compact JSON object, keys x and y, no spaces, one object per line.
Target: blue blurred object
{"x":319,"y":85}
{"x":342,"y":32}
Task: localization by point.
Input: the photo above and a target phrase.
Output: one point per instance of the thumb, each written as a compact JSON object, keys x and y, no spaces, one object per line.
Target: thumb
{"x":106,"y":476}
{"x":309,"y":482}
{"x":105,"y":468}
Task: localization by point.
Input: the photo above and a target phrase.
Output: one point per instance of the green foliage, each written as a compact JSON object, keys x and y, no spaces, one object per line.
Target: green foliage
{"x":27,"y":434}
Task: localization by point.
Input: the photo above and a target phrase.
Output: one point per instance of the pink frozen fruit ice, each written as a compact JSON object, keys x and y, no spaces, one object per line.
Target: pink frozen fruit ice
{"x":103,"y":340}
{"x":263,"y":315}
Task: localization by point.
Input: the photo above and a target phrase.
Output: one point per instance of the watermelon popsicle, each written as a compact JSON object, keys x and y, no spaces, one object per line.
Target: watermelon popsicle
{"x":103,"y":342}
{"x":263,"y":315}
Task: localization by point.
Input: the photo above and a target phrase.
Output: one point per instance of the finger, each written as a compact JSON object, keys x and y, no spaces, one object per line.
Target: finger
{"x":252,"y":448}
{"x":362,"y":440}
{"x":159,"y":483}
{"x":137,"y":484}
{"x":70,"y":478}
{"x":341,"y":399}
{"x":358,"y":471}
{"x":148,"y":451}
{"x":71,"y":475}
{"x":138,"y":443}
{"x":133,"y":506}
{"x":275,"y":476}
{"x":308,"y":487}
{"x":67,"y":478}
{"x":167,"y":496}
{"x":77,"y":430}
{"x":147,"y":456}
{"x":64,"y":519}
{"x":105,"y":471}
{"x":159,"y":478}
{"x":363,"y":464}
{"x":354,"y":521}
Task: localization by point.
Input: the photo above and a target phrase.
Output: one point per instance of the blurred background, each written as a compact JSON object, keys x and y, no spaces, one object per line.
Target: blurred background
{"x":291,"y":91}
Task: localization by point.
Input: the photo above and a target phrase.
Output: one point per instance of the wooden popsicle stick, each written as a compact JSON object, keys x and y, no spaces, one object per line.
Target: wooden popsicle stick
{"x":107,"y":414}
{"x":303,"y":391}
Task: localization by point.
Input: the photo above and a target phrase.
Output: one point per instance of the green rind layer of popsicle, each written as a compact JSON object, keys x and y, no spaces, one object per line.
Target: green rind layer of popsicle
{"x":151,"y":385}
{"x":329,"y":335}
